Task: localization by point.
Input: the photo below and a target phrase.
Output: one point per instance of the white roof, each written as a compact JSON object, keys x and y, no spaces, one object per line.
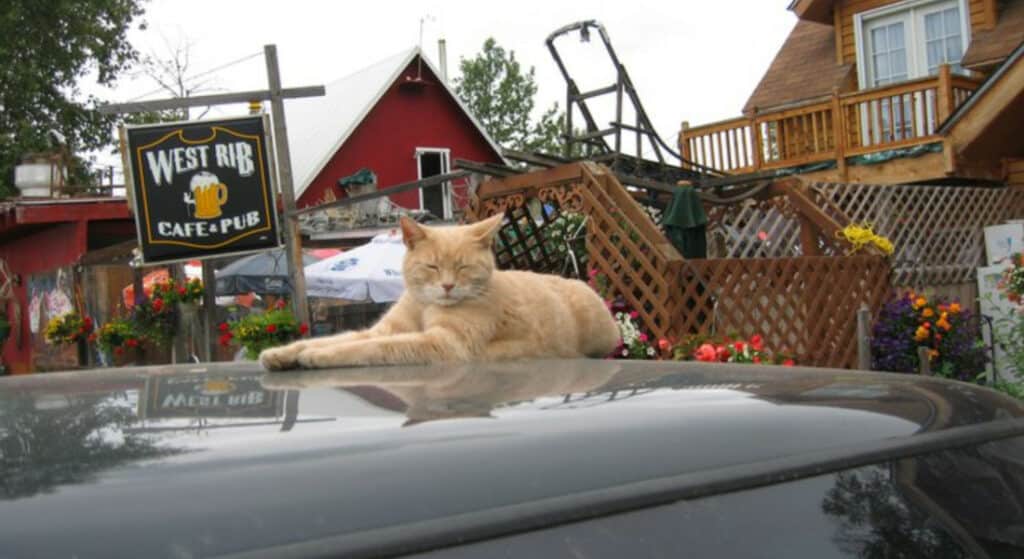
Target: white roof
{"x":319,"y":126}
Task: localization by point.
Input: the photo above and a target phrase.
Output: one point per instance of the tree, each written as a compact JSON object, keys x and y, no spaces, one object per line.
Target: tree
{"x":501,"y":96}
{"x":170,"y":72}
{"x":48,"y":48}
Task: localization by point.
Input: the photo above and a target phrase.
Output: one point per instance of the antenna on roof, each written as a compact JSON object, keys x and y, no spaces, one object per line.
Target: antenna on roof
{"x":419,"y":69}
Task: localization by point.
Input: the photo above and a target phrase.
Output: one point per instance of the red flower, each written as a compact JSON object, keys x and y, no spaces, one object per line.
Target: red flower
{"x":756,"y":360}
{"x":87,"y":322}
{"x":271,"y":328}
{"x":705,"y":352}
{"x":663,"y":344}
{"x":158,"y":305}
{"x":132,"y":342}
{"x":303,"y":328}
{"x":181,"y":291}
{"x":118,"y":350}
{"x":738,"y":346}
{"x":788,"y":363}
{"x":224,"y":327}
{"x":225,"y":339}
{"x":92,"y":337}
{"x":723,"y":353}
{"x":757,"y":342}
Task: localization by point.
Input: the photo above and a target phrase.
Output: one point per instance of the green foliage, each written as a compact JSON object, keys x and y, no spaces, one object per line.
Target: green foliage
{"x":260,"y":331}
{"x":1013,"y":389}
{"x":48,"y":47}
{"x":118,"y":335}
{"x":500,"y":95}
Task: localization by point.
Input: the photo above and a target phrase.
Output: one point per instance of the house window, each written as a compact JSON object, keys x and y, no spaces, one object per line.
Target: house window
{"x":909,"y":40}
{"x":436,"y":199}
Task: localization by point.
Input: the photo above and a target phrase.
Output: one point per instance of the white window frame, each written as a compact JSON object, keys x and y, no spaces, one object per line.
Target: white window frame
{"x":446,"y":188}
{"x":913,"y":35}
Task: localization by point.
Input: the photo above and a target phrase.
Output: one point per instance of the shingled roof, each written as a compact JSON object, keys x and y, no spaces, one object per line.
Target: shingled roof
{"x":989,"y":48}
{"x":804,"y":68}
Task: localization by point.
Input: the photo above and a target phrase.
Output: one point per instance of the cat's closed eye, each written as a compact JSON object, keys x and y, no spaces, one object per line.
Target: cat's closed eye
{"x":431,"y":267}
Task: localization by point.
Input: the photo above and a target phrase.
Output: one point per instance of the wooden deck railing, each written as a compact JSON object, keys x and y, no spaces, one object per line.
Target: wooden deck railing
{"x":845,"y":125}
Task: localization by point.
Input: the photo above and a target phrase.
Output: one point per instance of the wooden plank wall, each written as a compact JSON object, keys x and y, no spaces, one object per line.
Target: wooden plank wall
{"x":982,"y":17}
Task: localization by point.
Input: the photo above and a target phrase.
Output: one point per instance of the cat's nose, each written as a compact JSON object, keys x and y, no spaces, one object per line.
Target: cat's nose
{"x":448,"y":287}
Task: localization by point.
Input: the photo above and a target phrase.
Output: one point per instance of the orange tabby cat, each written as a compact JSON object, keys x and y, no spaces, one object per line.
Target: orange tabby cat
{"x":458,"y":308}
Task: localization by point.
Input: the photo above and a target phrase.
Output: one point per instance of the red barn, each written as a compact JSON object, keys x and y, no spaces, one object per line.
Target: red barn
{"x":396,"y":118}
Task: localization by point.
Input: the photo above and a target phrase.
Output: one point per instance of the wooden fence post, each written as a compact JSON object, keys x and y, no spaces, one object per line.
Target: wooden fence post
{"x":839,"y":134}
{"x":944,"y":95}
{"x":925,"y":360}
{"x":684,"y":143}
{"x":757,"y":143}
{"x":864,"y":338}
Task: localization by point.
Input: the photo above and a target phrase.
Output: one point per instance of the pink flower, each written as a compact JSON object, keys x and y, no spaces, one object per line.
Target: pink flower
{"x":634,"y":315}
{"x":592,"y":273}
{"x":663,"y":344}
{"x":706,"y":353}
{"x":642,"y":337}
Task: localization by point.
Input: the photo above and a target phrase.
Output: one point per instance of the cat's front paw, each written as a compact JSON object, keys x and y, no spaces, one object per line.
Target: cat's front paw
{"x":315,"y":358}
{"x":281,"y":358}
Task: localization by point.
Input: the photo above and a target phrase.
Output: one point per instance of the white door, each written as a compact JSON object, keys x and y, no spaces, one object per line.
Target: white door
{"x":436,"y":199}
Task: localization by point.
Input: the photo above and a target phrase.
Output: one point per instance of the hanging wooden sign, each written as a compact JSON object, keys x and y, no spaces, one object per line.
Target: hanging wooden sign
{"x":201,"y":188}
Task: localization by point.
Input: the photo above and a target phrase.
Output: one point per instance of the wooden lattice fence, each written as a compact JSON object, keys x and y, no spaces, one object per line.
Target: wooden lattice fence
{"x":937,"y":231}
{"x":802,"y":304}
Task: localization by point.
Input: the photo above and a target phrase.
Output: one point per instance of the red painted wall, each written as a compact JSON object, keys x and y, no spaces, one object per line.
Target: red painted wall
{"x":386,"y":140}
{"x":41,"y":251}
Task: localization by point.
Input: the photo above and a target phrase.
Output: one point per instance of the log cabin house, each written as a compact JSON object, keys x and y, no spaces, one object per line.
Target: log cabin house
{"x":883,"y":92}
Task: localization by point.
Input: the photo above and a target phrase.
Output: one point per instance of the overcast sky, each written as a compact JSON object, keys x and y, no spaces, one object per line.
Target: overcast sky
{"x":694,"y":60}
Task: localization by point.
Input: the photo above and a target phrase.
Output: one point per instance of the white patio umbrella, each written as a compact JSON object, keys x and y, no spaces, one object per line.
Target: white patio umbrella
{"x":371,"y":272}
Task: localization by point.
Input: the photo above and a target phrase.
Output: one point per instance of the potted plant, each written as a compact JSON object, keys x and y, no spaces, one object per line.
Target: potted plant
{"x":121,"y":339}
{"x":949,"y":332}
{"x":69,"y":328}
{"x":260,"y":331}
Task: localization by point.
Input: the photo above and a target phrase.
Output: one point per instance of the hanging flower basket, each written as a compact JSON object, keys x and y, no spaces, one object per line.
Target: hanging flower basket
{"x":121,"y":340}
{"x":66,"y":329}
{"x":257,"y":332}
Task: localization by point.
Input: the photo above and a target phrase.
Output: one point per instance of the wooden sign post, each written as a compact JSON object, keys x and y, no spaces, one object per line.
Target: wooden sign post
{"x":276,"y":95}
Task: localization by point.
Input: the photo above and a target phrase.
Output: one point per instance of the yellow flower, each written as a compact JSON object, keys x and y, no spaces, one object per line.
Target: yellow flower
{"x":920,"y":302}
{"x":954,"y":308}
{"x":944,"y":324}
{"x":921,"y":334}
{"x":928,"y":312}
{"x":932,"y":354}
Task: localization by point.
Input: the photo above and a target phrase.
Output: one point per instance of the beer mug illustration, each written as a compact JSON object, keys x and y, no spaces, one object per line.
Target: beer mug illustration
{"x":207,"y":196}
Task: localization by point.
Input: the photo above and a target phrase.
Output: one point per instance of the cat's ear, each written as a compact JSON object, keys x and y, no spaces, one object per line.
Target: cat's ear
{"x":412,"y":232}
{"x":484,"y":231}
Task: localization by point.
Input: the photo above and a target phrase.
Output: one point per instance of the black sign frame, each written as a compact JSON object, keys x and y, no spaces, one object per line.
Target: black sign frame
{"x":259,"y":191}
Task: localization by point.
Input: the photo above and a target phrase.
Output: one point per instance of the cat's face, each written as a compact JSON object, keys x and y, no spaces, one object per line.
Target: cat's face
{"x":447,"y":265}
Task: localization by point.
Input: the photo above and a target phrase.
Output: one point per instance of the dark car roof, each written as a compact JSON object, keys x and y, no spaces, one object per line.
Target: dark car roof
{"x":212,"y":460}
